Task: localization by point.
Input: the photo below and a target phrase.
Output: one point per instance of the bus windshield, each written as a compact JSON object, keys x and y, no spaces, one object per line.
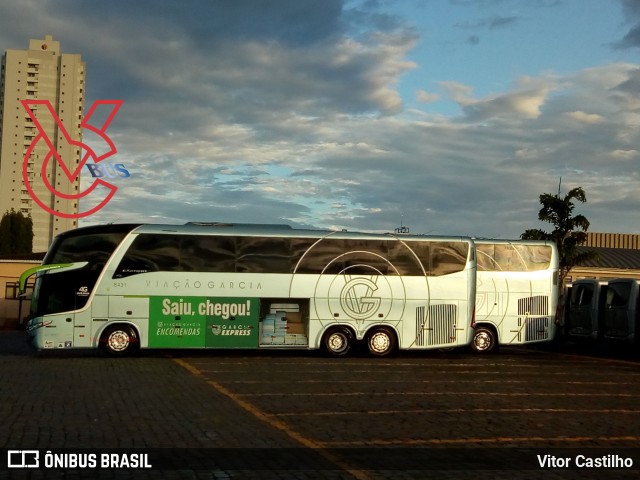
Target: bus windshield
{"x":89,"y":248}
{"x":95,"y":248}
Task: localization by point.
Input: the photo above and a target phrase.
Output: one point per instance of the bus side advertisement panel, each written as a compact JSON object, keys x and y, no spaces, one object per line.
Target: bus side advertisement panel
{"x":197,"y":322}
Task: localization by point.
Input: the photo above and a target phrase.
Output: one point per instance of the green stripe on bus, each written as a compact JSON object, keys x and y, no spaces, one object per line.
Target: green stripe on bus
{"x":32,"y":271}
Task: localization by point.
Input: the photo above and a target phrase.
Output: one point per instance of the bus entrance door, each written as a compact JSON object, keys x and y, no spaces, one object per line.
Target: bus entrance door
{"x":81,"y":327}
{"x":81,"y":316}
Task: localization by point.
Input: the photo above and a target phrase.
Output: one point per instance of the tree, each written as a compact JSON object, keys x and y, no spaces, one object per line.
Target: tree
{"x":16,"y":233}
{"x":570,"y":231}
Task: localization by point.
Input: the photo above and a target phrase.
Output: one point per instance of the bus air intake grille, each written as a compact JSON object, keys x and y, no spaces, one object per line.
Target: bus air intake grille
{"x":534,"y":306}
{"x":438,"y":327}
{"x":537,"y":327}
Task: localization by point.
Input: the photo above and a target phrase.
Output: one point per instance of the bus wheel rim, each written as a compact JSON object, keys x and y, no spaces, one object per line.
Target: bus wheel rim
{"x":482,"y":341}
{"x":380,"y":342}
{"x":337,"y":342}
{"x":118,"y":341}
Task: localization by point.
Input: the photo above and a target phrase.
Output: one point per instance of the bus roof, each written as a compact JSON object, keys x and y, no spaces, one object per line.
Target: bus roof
{"x":486,"y":241}
{"x":275,"y":230}
{"x":97,"y":229}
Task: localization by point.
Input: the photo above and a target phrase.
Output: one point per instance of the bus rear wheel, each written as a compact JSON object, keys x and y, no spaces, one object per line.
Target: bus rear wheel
{"x":381,"y":341}
{"x":120,"y":340}
{"x":484,"y":340}
{"x":337,"y":341}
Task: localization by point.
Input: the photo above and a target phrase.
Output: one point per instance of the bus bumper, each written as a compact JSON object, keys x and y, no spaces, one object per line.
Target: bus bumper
{"x":42,"y":335}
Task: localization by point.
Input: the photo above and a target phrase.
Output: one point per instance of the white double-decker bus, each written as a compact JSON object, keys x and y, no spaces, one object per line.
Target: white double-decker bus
{"x":516,"y":293}
{"x":124,"y":287}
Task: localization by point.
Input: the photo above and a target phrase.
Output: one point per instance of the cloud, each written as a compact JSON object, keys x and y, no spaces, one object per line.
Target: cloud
{"x":524,"y":102}
{"x":501,"y":22}
{"x":631,"y":11}
{"x":425,"y":97}
{"x":625,"y":154}
{"x":584,"y":117}
{"x":494,"y":22}
{"x":442,"y":176}
{"x":445,"y":176}
{"x":490,"y":23}
{"x":238,"y":111}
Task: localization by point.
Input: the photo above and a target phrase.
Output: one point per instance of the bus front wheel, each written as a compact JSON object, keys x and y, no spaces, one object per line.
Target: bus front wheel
{"x":381,"y":341}
{"x":120,"y":340}
{"x":484,"y":340}
{"x":337,"y":341}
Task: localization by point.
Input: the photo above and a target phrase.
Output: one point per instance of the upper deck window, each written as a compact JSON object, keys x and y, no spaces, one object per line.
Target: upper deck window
{"x":513,"y":257}
{"x":254,"y":254}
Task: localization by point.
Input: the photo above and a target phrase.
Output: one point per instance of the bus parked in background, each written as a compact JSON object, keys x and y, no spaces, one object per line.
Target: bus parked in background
{"x":516,"y":293}
{"x":621,"y":321}
{"x":252,"y":286}
{"x":584,"y":312}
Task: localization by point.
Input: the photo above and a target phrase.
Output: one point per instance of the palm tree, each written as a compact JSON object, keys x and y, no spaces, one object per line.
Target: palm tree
{"x":570,"y":231}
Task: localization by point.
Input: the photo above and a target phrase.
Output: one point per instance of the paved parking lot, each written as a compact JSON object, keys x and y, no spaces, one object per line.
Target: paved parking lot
{"x":232,"y":414}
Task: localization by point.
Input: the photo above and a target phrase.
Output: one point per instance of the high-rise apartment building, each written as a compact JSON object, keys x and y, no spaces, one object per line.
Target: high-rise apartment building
{"x":40,"y":73}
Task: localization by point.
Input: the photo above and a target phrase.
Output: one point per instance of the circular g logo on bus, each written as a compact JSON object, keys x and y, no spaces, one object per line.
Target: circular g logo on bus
{"x":358,"y":299}
{"x":360,"y":296}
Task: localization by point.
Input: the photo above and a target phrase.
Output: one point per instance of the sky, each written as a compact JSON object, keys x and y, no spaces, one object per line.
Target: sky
{"x":447,"y":117}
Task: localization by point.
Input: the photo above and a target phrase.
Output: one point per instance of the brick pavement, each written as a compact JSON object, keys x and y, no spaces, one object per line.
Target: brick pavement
{"x":80,"y":399}
{"x":215,"y":400}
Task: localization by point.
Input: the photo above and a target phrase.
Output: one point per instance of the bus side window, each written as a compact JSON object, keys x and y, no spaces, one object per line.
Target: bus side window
{"x":507,"y":259}
{"x":365,"y":257}
{"x":409,"y":257}
{"x":263,"y":255}
{"x":324,"y":257}
{"x":150,"y":253}
{"x":448,"y":257}
{"x":534,"y":257}
{"x":299,"y":247}
{"x":486,"y":258}
{"x":203,"y":253}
